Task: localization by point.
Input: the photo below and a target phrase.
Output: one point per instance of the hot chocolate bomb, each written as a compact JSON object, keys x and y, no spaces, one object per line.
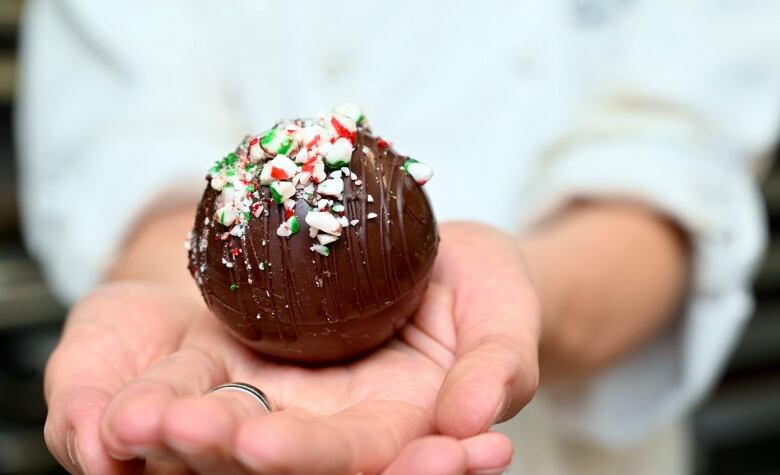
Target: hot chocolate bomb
{"x":314,"y":242}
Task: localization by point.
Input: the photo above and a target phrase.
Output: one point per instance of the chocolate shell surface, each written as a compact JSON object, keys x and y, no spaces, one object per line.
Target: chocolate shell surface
{"x":280,"y":291}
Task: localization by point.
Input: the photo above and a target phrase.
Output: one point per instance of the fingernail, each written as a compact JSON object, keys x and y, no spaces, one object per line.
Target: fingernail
{"x":71,"y":445}
{"x":251,"y":462}
{"x":492,"y":471}
{"x":121,"y":457}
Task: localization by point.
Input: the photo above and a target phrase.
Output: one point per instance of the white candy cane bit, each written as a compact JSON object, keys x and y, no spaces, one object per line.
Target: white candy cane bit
{"x":335,"y":174}
{"x":343,"y":221}
{"x":353,"y":176}
{"x":338,"y":207}
{"x":283,"y":230}
{"x":284,"y":166}
{"x":340,"y":154}
{"x":303,"y":179}
{"x":237,"y":230}
{"x":227,"y":215}
{"x":256,"y":152}
{"x":370,"y":198}
{"x":350,"y":110}
{"x":302,"y":156}
{"x":319,"y":172}
{"x":371,"y":215}
{"x":218,"y":182}
{"x":322,"y":203}
{"x":284,"y":189}
{"x":331,"y":187}
{"x":358,"y":182}
{"x":325,"y":239}
{"x":345,"y":171}
{"x":420,"y":172}
{"x":324,"y":221}
{"x":289,"y":204}
{"x":354,"y":222}
{"x":265,"y":175}
{"x":320,"y":249}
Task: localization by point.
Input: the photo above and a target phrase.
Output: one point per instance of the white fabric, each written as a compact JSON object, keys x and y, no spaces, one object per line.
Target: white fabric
{"x":671,"y":103}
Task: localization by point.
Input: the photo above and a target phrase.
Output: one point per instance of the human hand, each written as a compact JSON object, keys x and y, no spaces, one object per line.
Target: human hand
{"x":466,"y":360}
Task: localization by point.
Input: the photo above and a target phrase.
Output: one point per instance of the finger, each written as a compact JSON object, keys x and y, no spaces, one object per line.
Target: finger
{"x":488,"y":453}
{"x":200,"y":430}
{"x":93,"y":361}
{"x":132,"y":423}
{"x":73,"y":437}
{"x":432,"y":455}
{"x":364,"y":438}
{"x":497,"y":319}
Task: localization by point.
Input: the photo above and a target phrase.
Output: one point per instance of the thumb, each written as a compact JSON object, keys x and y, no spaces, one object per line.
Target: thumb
{"x":497,"y":321}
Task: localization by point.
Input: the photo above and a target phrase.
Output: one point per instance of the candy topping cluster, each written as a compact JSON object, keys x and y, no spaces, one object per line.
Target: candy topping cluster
{"x":297,"y":159}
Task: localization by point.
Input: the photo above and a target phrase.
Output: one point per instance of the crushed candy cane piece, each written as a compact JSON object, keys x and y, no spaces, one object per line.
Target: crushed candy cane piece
{"x":341,"y":153}
{"x":320,"y":249}
{"x":325,"y":239}
{"x":227,"y":215}
{"x":281,"y":191}
{"x":418,"y":170}
{"x":331,"y":187}
{"x":289,"y":227}
{"x":324,"y":222}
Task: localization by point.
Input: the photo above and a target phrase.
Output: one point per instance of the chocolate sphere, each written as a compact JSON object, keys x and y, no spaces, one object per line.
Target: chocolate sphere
{"x":274,"y":268}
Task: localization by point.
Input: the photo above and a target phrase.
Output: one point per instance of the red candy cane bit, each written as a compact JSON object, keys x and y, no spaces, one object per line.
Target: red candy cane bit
{"x":289,"y":213}
{"x":382,"y":143}
{"x":314,"y":141}
{"x":342,"y":131}
{"x":278,"y":173}
{"x":254,"y":141}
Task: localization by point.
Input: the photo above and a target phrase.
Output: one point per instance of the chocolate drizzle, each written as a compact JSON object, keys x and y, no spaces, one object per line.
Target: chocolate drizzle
{"x":310,"y":308}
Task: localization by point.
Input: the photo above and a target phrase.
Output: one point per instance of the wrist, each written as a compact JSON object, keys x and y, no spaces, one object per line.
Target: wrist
{"x":154,"y":251}
{"x":610,"y":275}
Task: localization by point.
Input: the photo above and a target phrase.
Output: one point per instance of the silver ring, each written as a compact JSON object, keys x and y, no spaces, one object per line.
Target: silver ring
{"x":247,"y":389}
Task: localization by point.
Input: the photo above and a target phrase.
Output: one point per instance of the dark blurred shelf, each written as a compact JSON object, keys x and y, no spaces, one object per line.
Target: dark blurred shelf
{"x":760,"y":345}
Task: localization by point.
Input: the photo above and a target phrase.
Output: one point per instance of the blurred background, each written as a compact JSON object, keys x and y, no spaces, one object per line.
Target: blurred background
{"x":737,"y":431}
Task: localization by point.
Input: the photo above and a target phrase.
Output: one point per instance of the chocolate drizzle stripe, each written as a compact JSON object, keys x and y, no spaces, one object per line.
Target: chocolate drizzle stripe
{"x":400,"y":206}
{"x":362,"y":212}
{"x":383,"y":234}
{"x":289,"y":283}
{"x":350,"y":243}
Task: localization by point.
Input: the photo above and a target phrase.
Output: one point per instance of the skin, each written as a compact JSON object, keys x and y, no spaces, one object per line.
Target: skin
{"x":128,"y":379}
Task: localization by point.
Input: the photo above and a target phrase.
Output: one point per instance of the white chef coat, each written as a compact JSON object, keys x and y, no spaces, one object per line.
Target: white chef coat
{"x":518,"y":105}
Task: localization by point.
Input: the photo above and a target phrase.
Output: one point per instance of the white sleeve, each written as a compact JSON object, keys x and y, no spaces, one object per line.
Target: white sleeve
{"x":679,"y":120}
{"x":118,"y":104}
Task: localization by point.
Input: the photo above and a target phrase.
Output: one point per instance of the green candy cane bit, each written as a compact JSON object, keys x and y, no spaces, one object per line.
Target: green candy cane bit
{"x":268,"y":137}
{"x":230,"y":159}
{"x":360,"y":119}
{"x":250,"y":188}
{"x":294,"y":225}
{"x":409,"y":162}
{"x":277,"y":197}
{"x":285,"y":146}
{"x":216,"y":168}
{"x":233,"y":287}
{"x":247,"y":215}
{"x":336,"y":165}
